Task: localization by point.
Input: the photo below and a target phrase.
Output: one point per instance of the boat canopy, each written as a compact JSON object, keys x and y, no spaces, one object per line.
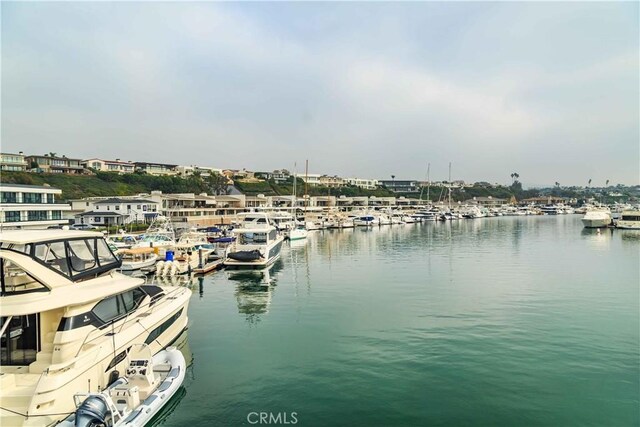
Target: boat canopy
{"x":73,"y":255}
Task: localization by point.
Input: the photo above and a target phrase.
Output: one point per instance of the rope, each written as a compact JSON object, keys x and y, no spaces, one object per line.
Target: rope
{"x":33,"y":416}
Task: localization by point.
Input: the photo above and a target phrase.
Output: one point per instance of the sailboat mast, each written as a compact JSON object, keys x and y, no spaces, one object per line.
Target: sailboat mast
{"x":306,"y":179}
{"x":428,"y":181}
{"x":449,"y":185}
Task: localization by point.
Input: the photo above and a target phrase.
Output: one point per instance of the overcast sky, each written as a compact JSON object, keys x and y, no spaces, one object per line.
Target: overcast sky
{"x":548,"y":90}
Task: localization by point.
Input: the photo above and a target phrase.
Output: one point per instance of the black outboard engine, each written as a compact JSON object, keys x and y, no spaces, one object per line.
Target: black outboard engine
{"x":92,"y":413}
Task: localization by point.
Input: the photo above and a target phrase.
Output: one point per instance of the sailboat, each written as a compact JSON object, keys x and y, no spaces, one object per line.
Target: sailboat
{"x":298,"y":232}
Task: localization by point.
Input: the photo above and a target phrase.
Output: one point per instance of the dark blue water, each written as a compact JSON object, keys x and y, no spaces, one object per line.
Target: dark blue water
{"x":495,"y":321}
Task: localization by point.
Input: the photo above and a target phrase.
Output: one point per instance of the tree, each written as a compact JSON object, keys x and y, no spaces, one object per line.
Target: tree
{"x":589,"y":183}
{"x":557,"y":184}
{"x":51,"y":154}
{"x":607,"y":184}
{"x":217,"y":184}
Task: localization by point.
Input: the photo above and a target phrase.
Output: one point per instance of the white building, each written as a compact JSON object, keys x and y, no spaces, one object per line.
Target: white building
{"x":30,"y":206}
{"x":311,"y":178}
{"x":118,"y":211}
{"x":367,"y":184}
{"x":203,"y":171}
{"x":109,"y":165}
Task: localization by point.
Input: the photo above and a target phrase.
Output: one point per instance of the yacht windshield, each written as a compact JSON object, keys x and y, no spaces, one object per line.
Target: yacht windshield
{"x":252,"y":238}
{"x":77,"y":258}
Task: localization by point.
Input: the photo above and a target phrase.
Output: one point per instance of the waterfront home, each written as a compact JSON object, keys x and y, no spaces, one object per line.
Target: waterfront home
{"x":367,"y":184}
{"x":30,"y":206}
{"x":13,"y":162}
{"x":401,"y":186}
{"x":109,"y":165}
{"x":49,"y":163}
{"x":157,"y":169}
{"x":119,"y":211}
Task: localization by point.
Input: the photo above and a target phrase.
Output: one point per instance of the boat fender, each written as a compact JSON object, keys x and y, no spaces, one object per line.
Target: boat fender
{"x":92,"y":413}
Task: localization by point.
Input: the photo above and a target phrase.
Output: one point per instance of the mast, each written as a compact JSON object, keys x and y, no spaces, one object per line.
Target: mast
{"x":428,"y":181}
{"x":306,"y":179}
{"x":449,"y":185}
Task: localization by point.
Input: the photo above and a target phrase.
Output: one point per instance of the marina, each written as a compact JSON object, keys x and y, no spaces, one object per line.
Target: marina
{"x":401,"y":325}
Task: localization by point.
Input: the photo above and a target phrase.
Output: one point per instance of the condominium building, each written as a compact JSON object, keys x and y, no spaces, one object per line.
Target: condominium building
{"x":49,"y":163}
{"x":332,"y":181}
{"x":13,"y":162}
{"x":401,"y":186}
{"x":367,"y":184}
{"x":311,"y":178}
{"x":30,"y":206}
{"x":109,"y":165}
{"x":156,"y":168}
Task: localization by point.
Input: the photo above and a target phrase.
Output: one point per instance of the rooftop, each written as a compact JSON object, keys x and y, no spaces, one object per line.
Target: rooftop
{"x":44,"y":187}
{"x":119,"y":200}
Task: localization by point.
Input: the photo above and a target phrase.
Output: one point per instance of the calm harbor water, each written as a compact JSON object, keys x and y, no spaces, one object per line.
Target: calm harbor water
{"x":494,"y":321}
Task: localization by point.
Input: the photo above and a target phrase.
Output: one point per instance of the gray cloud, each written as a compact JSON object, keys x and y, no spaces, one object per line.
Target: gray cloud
{"x":548,"y":90}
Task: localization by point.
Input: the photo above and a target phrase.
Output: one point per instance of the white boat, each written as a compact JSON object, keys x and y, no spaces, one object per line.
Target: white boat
{"x":160,"y":234}
{"x":365,"y":221}
{"x":257,"y":243}
{"x":137,"y":258}
{"x":122,"y":241}
{"x":597,"y":218}
{"x":136,"y":397}
{"x":298,"y":233}
{"x":68,"y":320}
{"x":630,"y":220}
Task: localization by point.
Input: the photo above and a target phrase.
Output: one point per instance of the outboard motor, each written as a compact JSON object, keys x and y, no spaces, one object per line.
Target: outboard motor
{"x":92,"y":413}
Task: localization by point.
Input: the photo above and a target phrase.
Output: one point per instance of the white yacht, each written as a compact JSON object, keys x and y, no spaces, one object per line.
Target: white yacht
{"x":257,"y":243}
{"x":69,"y":319}
{"x":597,"y":218}
{"x":160,"y":234}
{"x":137,"y":258}
{"x":629,"y":219}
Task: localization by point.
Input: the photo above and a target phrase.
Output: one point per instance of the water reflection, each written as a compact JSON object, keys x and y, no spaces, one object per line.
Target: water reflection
{"x":596,"y":238}
{"x":254,"y":289}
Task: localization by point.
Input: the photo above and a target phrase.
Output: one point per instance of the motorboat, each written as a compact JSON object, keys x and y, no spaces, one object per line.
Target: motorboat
{"x":629,"y":219}
{"x":298,"y":233}
{"x":137,"y":258}
{"x":136,"y":397}
{"x":597,"y":218}
{"x":365,"y":220}
{"x":257,"y":243}
{"x":160,"y":234}
{"x":122,"y":241}
{"x":69,"y":319}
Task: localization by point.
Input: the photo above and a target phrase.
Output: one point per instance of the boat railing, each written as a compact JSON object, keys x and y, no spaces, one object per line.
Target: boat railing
{"x":100,"y":333}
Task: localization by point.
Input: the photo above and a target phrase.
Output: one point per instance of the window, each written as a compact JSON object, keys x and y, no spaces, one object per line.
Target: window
{"x":105,"y":256}
{"x":128,"y":207}
{"x":36,"y":215}
{"x":50,"y":198}
{"x":117,"y":207}
{"x":118,"y":306}
{"x":9,"y":197}
{"x":109,"y":309}
{"x":32,"y":198}
{"x":160,"y":329}
{"x":12,"y":216}
{"x":139,"y":207}
{"x":54,"y":255}
{"x":56,"y":214}
{"x":81,"y":255}
{"x":97,"y":219}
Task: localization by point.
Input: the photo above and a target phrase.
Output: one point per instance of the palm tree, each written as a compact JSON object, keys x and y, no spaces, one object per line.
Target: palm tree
{"x":557,"y":184}
{"x":589,"y":183}
{"x":607,"y":184}
{"x":516,"y":175}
